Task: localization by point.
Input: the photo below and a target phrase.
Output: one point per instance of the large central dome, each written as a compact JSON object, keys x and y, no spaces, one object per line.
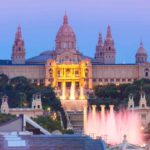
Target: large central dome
{"x":65,"y":38}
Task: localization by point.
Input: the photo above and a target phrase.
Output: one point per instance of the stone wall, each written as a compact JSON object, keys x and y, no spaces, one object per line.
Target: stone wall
{"x":104,"y":74}
{"x":26,"y":111}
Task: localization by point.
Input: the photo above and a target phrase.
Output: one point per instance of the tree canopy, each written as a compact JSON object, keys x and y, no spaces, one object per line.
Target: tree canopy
{"x":118,"y":95}
{"x":20,"y":90}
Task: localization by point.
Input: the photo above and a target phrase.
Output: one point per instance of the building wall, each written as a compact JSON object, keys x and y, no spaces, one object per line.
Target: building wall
{"x":28,"y":112}
{"x":36,"y":73}
{"x":104,"y":74}
{"x":100,"y":74}
{"x":144,"y":115}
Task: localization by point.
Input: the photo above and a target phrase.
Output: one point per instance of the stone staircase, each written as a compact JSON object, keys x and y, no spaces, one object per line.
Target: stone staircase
{"x":75,"y":119}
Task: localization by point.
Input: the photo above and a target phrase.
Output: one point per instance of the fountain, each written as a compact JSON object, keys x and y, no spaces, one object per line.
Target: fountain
{"x":72,"y":91}
{"x":112,"y":126}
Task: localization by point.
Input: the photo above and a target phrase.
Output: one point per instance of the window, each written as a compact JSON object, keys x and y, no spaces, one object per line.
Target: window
{"x":59,"y":84}
{"x":58,"y":73}
{"x":106,"y":80}
{"x":94,"y":80}
{"x":129,"y":80}
{"x":64,"y":45}
{"x":112,"y":80}
{"x":123,"y":80}
{"x":146,"y":74}
{"x":50,"y":73}
{"x":68,"y":72}
{"x":100,"y":80}
{"x":143,"y":116}
{"x":118,"y":80}
{"x":131,"y":106}
{"x":86,"y":72}
{"x":76,"y":73}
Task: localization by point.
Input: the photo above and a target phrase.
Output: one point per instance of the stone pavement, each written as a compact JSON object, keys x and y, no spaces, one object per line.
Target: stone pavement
{"x":54,"y":142}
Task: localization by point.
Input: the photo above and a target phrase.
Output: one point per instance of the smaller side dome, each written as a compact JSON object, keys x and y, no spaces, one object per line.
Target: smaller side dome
{"x":141,"y":55}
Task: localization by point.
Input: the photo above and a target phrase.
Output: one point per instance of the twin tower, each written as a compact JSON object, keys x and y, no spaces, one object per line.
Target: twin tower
{"x":106,"y":53}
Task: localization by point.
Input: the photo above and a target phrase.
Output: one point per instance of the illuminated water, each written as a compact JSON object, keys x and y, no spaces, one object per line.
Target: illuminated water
{"x":112,"y":126}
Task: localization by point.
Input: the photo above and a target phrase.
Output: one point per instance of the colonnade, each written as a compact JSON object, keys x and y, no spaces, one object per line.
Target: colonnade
{"x":72,"y":92}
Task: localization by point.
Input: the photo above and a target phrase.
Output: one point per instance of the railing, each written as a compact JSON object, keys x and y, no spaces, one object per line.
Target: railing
{"x":27,"y":119}
{"x":62,"y":125}
{"x":69,"y":125}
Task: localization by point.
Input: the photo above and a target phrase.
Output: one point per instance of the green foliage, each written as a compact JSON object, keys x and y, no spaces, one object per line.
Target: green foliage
{"x":69,"y":131}
{"x":6,"y":117}
{"x":48,"y":123}
{"x":20,"y":91}
{"x":118,"y":95}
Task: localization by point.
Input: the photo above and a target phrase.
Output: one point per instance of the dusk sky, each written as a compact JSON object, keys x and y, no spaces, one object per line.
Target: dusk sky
{"x":41,"y":19}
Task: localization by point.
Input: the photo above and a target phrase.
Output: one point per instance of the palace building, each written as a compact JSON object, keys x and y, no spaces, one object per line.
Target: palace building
{"x":71,"y":73}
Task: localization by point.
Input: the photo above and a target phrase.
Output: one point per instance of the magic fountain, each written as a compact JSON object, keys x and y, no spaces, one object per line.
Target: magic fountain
{"x":111,"y":125}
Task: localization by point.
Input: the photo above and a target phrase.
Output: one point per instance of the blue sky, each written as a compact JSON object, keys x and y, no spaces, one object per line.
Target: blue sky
{"x":41,"y":19}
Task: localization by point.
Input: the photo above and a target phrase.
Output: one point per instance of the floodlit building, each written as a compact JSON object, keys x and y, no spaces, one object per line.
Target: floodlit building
{"x":71,"y":73}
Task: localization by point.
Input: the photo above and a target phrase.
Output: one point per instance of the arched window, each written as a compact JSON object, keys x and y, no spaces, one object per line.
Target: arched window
{"x":131,"y":106}
{"x":86,"y":72}
{"x":58,"y":73}
{"x":51,"y":73}
{"x":68,"y":72}
{"x":65,"y":45}
{"x":146,"y":71}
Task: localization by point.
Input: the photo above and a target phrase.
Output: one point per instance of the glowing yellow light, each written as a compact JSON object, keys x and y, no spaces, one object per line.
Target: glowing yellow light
{"x":142,"y":128}
{"x":72,"y":91}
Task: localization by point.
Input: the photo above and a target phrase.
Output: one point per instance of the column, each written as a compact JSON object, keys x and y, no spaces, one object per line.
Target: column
{"x":111,"y":107}
{"x":72,"y":91}
{"x":84,"y":118}
{"x":63,"y":90}
{"x":103,"y":121}
{"x":94,"y":111}
{"x":82,"y":96}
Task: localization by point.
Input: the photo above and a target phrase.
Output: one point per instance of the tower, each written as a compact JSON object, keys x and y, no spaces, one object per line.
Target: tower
{"x":99,"y":54}
{"x":109,"y":49}
{"x":18,"y":50}
{"x":36,"y":101}
{"x":142,"y":102}
{"x":141,"y":55}
{"x":131,"y":102}
{"x":65,"y":38}
{"x":4,"y":105}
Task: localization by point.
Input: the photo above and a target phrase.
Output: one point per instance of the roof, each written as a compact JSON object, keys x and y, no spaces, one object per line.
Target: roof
{"x":141,"y":49}
{"x":9,"y":63}
{"x":41,"y":58}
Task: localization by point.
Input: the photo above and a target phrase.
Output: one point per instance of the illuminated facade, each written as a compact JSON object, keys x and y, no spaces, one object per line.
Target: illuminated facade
{"x":71,"y":73}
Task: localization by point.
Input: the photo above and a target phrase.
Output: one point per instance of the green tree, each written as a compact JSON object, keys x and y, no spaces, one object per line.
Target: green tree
{"x":48,"y":123}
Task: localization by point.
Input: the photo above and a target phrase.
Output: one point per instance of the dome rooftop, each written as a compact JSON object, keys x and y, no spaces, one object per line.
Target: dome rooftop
{"x":141,"y":49}
{"x":65,"y":38}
